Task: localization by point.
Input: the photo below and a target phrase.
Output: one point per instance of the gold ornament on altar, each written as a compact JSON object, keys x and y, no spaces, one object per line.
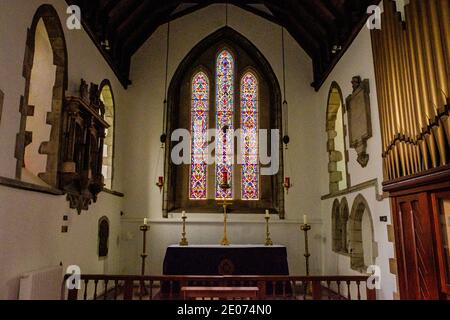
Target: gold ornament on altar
{"x":268,"y":240}
{"x":225,"y":186}
{"x":184,"y":241}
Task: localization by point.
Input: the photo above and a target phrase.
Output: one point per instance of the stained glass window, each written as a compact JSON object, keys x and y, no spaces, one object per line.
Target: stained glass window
{"x":199,"y":143}
{"x":249,"y":137}
{"x":224,"y":123}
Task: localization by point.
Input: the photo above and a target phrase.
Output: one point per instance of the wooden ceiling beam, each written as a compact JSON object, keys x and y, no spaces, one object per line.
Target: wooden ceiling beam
{"x":153,"y":20}
{"x":120,"y":12}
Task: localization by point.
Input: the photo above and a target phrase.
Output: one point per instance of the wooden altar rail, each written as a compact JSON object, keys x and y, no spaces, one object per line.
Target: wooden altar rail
{"x":125,"y":287}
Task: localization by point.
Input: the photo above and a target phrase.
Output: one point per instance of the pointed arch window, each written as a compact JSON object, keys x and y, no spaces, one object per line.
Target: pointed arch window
{"x":224,"y":123}
{"x":199,"y":130}
{"x":107,"y":97}
{"x":223,"y":93}
{"x":249,"y":137}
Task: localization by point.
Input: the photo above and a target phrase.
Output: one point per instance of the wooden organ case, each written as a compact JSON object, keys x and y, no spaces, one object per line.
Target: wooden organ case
{"x":83,"y":128}
{"x":411,"y":59}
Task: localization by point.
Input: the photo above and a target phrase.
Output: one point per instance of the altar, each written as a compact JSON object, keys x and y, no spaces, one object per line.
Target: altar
{"x":254,"y":260}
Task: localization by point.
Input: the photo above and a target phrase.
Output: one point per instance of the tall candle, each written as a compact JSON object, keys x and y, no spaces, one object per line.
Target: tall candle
{"x":305,"y":219}
{"x":145,"y":221}
{"x":267,"y":213}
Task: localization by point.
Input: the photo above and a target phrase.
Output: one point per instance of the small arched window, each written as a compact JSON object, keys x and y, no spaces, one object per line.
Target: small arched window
{"x":249,"y":137}
{"x":199,"y":136}
{"x":224,"y":123}
{"x":336,"y":146}
{"x":107,"y":97}
{"x":103,"y":237}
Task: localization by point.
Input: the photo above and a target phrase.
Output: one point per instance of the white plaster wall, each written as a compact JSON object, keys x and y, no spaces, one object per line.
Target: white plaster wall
{"x":145,"y":157}
{"x":358,"y":60}
{"x":30,"y":223}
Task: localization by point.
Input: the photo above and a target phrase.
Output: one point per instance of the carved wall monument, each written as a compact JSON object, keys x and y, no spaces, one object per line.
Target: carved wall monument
{"x":83,"y":128}
{"x":359,"y":119}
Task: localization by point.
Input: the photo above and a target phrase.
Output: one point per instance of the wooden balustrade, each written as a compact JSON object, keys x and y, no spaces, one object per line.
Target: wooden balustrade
{"x":112,"y":287}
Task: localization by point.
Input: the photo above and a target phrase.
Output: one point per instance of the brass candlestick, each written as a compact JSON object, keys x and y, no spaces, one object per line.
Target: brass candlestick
{"x":184,"y":241}
{"x":305,"y":228}
{"x":144,"y":228}
{"x":268,"y":240}
{"x":225,"y":241}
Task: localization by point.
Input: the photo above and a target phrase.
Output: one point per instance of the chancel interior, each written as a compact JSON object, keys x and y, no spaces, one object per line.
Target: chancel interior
{"x":192,"y":149}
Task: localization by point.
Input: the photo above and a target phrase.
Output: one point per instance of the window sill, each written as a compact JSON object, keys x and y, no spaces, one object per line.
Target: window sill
{"x":114,"y":193}
{"x":17,"y":184}
{"x":362,"y":186}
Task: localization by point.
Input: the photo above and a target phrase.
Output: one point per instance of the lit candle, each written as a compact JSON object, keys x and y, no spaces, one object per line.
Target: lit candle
{"x":305,"y":219}
{"x":183,"y":214}
{"x":267,"y":214}
{"x":145,"y":221}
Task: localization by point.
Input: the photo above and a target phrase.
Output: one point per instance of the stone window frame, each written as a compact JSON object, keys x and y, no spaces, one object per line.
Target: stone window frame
{"x":224,"y":37}
{"x":335,"y":156}
{"x":111,"y":137}
{"x":360,"y":205}
{"x":55,"y":32}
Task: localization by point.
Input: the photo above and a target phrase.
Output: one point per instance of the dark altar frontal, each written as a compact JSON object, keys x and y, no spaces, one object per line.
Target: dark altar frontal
{"x":233,"y":260}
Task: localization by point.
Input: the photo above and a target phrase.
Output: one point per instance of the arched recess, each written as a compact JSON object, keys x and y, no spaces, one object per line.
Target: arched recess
{"x":47,"y":22}
{"x":335,"y":226}
{"x":107,"y":97}
{"x":343,"y":225}
{"x":339,"y":178}
{"x":229,"y":38}
{"x":103,"y":237}
{"x":363,"y":249}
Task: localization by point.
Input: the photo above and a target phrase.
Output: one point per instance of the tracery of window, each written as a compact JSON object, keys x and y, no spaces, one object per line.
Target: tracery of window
{"x":249,"y":137}
{"x":224,"y":123}
{"x":199,"y":142}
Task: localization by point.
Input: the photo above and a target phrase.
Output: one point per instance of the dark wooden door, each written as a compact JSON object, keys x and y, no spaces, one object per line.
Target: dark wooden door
{"x":415,"y":254}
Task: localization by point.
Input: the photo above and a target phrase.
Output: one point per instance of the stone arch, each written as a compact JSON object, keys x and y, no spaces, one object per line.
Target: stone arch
{"x":362,"y":240}
{"x":224,"y":37}
{"x":107,"y":97}
{"x":336,"y":147}
{"x":336,"y":234}
{"x":103,"y":236}
{"x":48,"y":15}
